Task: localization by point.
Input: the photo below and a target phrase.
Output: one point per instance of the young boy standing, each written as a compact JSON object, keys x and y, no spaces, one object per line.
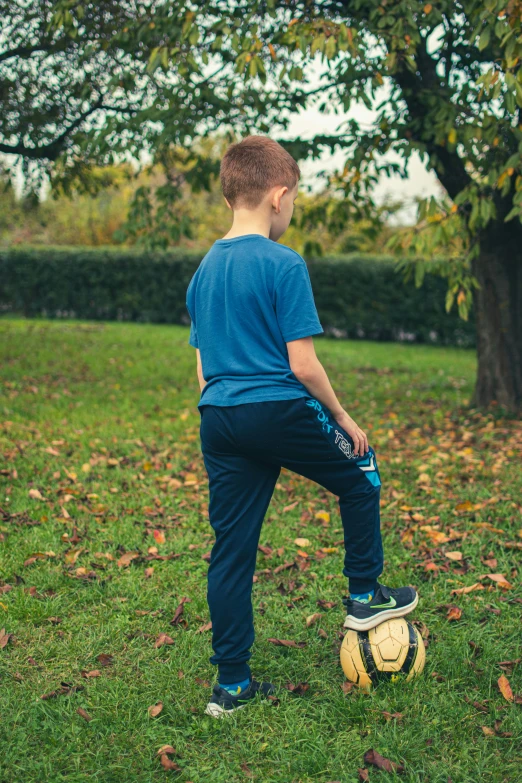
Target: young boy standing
{"x":266,"y":403}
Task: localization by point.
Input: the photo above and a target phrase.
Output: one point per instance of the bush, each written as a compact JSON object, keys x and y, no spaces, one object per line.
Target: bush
{"x":356,"y":296}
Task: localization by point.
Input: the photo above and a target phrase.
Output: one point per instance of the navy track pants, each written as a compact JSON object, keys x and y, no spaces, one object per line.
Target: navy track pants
{"x":244,"y":448}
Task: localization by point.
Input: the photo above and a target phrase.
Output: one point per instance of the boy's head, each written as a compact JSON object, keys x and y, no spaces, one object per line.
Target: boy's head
{"x":258,"y":174}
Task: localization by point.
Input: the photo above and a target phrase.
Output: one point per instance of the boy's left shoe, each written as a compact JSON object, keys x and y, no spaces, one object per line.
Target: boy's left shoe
{"x":387,"y":603}
{"x":224,"y":703}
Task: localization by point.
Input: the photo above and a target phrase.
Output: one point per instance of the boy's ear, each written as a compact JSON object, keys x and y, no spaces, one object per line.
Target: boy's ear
{"x":227,"y":203}
{"x":276,"y":198}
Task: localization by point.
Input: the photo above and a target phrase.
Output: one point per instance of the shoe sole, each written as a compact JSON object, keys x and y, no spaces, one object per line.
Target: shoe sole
{"x":215,"y":711}
{"x":371,"y":622}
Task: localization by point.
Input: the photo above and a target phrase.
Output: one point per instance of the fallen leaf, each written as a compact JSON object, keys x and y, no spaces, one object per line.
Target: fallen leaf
{"x":505,"y":688}
{"x":324,"y":515}
{"x":347,"y":687}
{"x":85,"y":715}
{"x":4,"y":638}
{"x":454,"y":555}
{"x":155,"y":709}
{"x":393,"y":715}
{"x":105,"y":659}
{"x":454,"y":613}
{"x":287,"y":643}
{"x":126,"y":559}
{"x":205,"y":627}
{"x":298,"y":689}
{"x":93,"y":673}
{"x":312,"y":619}
{"x":363,"y":775}
{"x":488,"y":732}
{"x":166,"y":763}
{"x":501,"y":580}
{"x":179,"y":611}
{"x":35,"y":494}
{"x":159,"y":536}
{"x":167,"y":749}
{"x":470,"y":589}
{"x":375,"y":759}
{"x":162,"y":639}
{"x":326,"y":604}
{"x":149,"y":572}
{"x":301,"y":542}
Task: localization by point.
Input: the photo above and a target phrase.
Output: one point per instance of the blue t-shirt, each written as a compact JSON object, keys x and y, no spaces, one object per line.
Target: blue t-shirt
{"x":247,"y":299}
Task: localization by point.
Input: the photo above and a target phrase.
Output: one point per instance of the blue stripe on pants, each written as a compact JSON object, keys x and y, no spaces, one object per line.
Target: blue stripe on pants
{"x":244,"y":448}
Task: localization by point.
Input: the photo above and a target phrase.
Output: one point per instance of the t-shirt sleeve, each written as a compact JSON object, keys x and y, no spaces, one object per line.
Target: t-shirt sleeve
{"x":295,"y":306}
{"x":193,"y":337}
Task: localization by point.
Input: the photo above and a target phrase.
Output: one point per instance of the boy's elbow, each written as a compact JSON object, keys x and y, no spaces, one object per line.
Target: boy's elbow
{"x":305,"y":372}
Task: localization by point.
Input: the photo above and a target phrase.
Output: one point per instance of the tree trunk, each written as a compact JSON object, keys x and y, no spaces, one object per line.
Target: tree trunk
{"x":498,"y":309}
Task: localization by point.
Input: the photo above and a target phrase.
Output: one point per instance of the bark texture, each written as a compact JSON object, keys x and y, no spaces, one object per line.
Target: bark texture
{"x":498,"y":309}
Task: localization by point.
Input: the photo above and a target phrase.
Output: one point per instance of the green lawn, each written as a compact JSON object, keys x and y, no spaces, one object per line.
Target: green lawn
{"x":101,"y":420}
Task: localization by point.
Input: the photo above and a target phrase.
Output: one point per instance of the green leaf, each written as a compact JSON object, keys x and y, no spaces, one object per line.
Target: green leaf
{"x":484,"y":38}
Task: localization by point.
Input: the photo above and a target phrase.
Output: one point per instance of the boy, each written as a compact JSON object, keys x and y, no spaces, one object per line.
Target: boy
{"x":266,"y":403}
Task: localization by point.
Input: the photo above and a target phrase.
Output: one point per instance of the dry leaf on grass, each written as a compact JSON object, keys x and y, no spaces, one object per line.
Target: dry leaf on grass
{"x":4,"y":638}
{"x":393,"y":715}
{"x":312,"y":619}
{"x":469,"y":589}
{"x":298,"y":689}
{"x":500,"y":580}
{"x":85,"y":715}
{"x":155,"y":709}
{"x":287,"y":643}
{"x":454,"y":613}
{"x":105,"y":659}
{"x":166,"y":763}
{"x":179,"y":611}
{"x":35,"y":494}
{"x":162,"y":639}
{"x":376,"y":760}
{"x":454,"y":555}
{"x":301,"y":542}
{"x":126,"y":559}
{"x":505,"y":688}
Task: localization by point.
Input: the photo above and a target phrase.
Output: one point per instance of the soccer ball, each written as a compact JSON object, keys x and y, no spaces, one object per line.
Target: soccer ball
{"x":393,"y":651}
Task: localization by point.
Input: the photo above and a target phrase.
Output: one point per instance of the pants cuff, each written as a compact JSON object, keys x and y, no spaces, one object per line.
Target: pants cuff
{"x":358,"y":586}
{"x":233,"y":672}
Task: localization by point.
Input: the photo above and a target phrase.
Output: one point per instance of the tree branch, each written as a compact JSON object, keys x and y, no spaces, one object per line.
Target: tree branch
{"x":27,"y":51}
{"x":453,"y":174}
{"x":52,"y":150}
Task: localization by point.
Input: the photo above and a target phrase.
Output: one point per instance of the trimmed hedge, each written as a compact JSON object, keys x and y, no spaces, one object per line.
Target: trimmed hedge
{"x":356,"y":296}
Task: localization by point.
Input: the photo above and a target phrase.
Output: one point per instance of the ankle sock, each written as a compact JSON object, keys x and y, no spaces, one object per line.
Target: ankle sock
{"x":235,"y":687}
{"x":363,"y":598}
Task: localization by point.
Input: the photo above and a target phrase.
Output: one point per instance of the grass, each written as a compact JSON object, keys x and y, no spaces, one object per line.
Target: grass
{"x":101,"y":420}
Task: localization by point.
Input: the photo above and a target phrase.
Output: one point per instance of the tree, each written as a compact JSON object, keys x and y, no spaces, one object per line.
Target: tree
{"x":84,"y":83}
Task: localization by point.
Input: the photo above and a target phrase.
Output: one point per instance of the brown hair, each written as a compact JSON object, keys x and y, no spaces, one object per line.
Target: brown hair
{"x":253,"y":166}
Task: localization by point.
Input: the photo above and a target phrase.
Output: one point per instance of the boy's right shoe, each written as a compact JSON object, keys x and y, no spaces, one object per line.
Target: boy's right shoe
{"x":224,"y":703}
{"x":386,"y":604}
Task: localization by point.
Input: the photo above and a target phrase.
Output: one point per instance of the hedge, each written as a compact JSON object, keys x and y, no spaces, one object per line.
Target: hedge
{"x":356,"y":296}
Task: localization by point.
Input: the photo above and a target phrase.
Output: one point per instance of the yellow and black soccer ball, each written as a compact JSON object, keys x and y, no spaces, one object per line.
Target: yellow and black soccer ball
{"x":392,"y":651}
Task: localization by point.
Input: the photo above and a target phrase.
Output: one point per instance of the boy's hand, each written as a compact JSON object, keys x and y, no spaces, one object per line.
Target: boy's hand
{"x":360,"y":440}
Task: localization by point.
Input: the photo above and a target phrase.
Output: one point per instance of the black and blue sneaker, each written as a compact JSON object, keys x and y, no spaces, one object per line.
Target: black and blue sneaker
{"x":387,"y":603}
{"x":224,"y":703}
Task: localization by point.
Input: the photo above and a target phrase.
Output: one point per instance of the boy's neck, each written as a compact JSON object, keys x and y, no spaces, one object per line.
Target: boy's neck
{"x":249,"y":221}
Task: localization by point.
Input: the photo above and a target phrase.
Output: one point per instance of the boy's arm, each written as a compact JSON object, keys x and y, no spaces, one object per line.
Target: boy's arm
{"x":310,"y":372}
{"x":201,"y":380}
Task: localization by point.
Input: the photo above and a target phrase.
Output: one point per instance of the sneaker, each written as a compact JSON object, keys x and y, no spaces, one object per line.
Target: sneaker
{"x":386,"y":603}
{"x":224,"y":703}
